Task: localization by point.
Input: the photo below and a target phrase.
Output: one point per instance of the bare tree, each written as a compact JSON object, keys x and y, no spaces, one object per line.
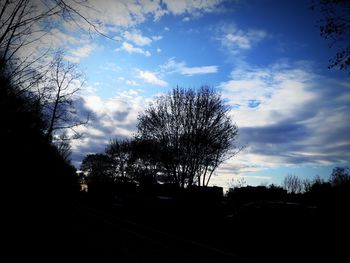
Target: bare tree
{"x":54,"y":82}
{"x":23,"y":22}
{"x":293,"y":184}
{"x":63,"y":146}
{"x":307,"y":185}
{"x":63,"y":82}
{"x":237,"y":183}
{"x":194,"y":132}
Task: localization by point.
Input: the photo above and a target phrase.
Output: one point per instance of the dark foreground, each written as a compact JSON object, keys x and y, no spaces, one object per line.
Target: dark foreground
{"x":163,"y":231}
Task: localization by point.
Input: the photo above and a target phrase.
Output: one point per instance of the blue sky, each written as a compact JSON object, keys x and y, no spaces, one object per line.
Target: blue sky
{"x":266,"y":57}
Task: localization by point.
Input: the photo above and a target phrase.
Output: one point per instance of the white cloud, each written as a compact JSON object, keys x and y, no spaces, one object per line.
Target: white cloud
{"x":235,"y":39}
{"x":131,"y":49}
{"x":156,"y":38}
{"x":190,"y":71}
{"x":171,"y":66}
{"x":186,"y":19}
{"x":287,"y":115}
{"x":57,"y":37}
{"x":268,"y":88}
{"x":111,"y":14}
{"x":166,"y":28}
{"x":151,"y":77}
{"x":131,"y":82}
{"x":53,"y":39}
{"x":111,"y":118}
{"x":80,"y":52}
{"x":137,"y":38}
{"x":239,"y":39}
{"x":191,"y":7}
{"x":159,"y":50}
{"x":109,"y":66}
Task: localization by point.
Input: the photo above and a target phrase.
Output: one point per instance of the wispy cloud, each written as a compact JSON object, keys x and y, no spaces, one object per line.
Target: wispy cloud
{"x":190,"y":71}
{"x":291,"y":123}
{"x":137,"y":38}
{"x":131,"y":82}
{"x":157,"y":38}
{"x":131,"y":49}
{"x":81,"y":52}
{"x":235,"y":40}
{"x":171,"y":66}
{"x":191,"y":7}
{"x":127,"y":13}
{"x":151,"y":77}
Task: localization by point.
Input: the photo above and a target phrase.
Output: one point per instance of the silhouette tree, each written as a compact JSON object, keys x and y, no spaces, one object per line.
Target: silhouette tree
{"x":308,"y":184}
{"x":57,"y":96}
{"x":63,"y":147}
{"x":340,"y":176}
{"x":97,"y":168}
{"x":335,"y":27}
{"x":144,"y":162}
{"x":132,"y":160}
{"x":193,"y":131}
{"x":119,"y":152}
{"x":237,"y":183}
{"x":293,"y":184}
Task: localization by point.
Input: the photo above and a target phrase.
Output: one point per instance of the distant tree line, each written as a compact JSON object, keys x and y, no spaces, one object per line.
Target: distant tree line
{"x":340,"y":177}
{"x":181,"y":139}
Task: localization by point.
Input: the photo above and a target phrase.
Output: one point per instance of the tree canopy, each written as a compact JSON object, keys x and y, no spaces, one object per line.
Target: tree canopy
{"x":193,"y":132}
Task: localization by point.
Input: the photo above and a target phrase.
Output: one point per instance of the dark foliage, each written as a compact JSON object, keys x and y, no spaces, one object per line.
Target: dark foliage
{"x":39,"y":184}
{"x":335,"y":27}
{"x":98,"y":167}
{"x":340,"y":176}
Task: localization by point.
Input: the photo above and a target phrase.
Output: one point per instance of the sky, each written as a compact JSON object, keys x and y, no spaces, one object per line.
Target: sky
{"x":267,"y":59}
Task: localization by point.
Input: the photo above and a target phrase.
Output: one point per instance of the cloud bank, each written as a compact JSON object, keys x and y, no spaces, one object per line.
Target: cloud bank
{"x":287,"y":115}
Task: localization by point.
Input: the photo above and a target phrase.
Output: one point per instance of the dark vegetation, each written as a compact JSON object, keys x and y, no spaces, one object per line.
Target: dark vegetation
{"x":36,"y":114}
{"x":335,"y":28}
{"x":39,"y":183}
